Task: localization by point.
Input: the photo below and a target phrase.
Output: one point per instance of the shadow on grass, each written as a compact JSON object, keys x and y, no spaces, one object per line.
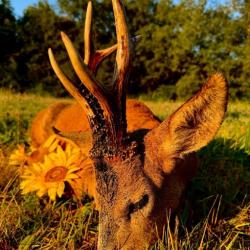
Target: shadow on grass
{"x":225,"y":171}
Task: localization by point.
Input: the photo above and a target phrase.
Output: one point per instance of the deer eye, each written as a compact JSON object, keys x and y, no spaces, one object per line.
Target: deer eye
{"x":134,"y":207}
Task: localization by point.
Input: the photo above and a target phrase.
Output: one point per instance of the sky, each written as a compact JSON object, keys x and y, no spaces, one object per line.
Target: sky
{"x":20,"y":5}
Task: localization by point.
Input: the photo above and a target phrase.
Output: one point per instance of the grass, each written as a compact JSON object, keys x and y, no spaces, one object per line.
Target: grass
{"x":215,"y":213}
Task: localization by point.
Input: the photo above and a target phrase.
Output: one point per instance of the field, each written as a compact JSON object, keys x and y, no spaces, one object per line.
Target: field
{"x":214,"y":215}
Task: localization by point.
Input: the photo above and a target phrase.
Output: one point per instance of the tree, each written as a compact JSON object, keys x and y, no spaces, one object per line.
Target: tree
{"x":243,"y":90}
{"x":181,"y":44}
{"x":8,"y":45}
{"x":39,"y":29}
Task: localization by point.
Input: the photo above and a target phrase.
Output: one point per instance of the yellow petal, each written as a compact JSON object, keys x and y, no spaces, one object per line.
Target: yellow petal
{"x":49,"y":141}
{"x":52,"y":193}
{"x":71,"y":170}
{"x":48,"y":161}
{"x":68,"y":149}
{"x":36,"y":167}
{"x":25,"y":191}
{"x":60,"y":189}
{"x":27,"y":176}
{"x":74,"y":158}
{"x":25,"y":183}
{"x":29,"y":189}
{"x":71,"y":176}
{"x":54,"y":146}
{"x":62,"y":155}
{"x":41,"y":192}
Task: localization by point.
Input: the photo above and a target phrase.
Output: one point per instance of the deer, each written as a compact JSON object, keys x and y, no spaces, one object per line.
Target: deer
{"x":139,"y":175}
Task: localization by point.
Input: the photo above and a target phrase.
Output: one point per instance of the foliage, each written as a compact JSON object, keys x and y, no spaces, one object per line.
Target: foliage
{"x":182,"y":42}
{"x":8,"y":45}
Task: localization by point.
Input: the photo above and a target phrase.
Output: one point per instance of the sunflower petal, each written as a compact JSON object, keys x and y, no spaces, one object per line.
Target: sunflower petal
{"x":52,"y":193}
{"x":60,"y":189}
{"x":25,"y":183}
{"x":49,"y":141}
{"x":62,"y":155}
{"x":29,"y":189}
{"x":74,"y":169}
{"x":41,"y":192}
{"x":71,"y":176}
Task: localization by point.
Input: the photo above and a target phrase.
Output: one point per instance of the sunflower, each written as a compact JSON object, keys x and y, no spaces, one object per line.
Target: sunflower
{"x":18,"y":156}
{"x":51,"y":175}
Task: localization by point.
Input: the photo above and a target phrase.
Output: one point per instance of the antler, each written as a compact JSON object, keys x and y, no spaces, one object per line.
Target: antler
{"x":93,"y":58}
{"x":105,"y":105}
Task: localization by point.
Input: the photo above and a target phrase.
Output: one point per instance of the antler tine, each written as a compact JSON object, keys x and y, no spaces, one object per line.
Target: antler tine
{"x":69,"y":86}
{"x":85,"y":75}
{"x":123,"y":43}
{"x":81,"y":70}
{"x":87,"y":34}
{"x":93,"y":58}
{"x":99,"y":56}
{"x":122,"y":64}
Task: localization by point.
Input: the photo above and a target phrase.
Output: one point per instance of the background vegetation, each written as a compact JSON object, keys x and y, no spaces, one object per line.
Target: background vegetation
{"x":182,"y":43}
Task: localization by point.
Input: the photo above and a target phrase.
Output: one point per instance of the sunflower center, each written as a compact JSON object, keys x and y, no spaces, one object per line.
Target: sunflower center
{"x":55,"y":174}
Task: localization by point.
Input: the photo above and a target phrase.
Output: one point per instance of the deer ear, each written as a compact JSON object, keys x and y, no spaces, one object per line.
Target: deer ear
{"x":195,"y":123}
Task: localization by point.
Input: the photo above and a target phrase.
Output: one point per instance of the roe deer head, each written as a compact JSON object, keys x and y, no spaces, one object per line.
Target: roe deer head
{"x":138,"y":176}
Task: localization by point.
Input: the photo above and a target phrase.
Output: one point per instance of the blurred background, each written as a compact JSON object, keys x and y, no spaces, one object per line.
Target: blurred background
{"x":182,"y":43}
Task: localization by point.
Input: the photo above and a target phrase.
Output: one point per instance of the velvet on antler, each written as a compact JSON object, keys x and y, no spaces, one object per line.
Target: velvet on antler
{"x":104,"y":104}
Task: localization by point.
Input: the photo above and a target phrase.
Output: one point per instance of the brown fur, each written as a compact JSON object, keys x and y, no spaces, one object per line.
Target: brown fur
{"x":70,"y":117}
{"x":136,"y":188}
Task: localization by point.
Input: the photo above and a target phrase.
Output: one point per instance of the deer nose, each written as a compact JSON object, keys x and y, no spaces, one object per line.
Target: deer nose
{"x":106,"y":236}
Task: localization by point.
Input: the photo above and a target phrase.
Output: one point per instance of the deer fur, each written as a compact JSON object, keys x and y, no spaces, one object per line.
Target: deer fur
{"x":70,"y":117}
{"x":138,"y":175}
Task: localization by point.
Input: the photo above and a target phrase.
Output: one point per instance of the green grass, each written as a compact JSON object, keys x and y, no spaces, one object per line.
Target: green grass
{"x":215,"y":213}
{"x":16,"y":112}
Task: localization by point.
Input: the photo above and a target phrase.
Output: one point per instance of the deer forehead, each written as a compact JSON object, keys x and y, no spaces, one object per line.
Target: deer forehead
{"x":123,"y":175}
